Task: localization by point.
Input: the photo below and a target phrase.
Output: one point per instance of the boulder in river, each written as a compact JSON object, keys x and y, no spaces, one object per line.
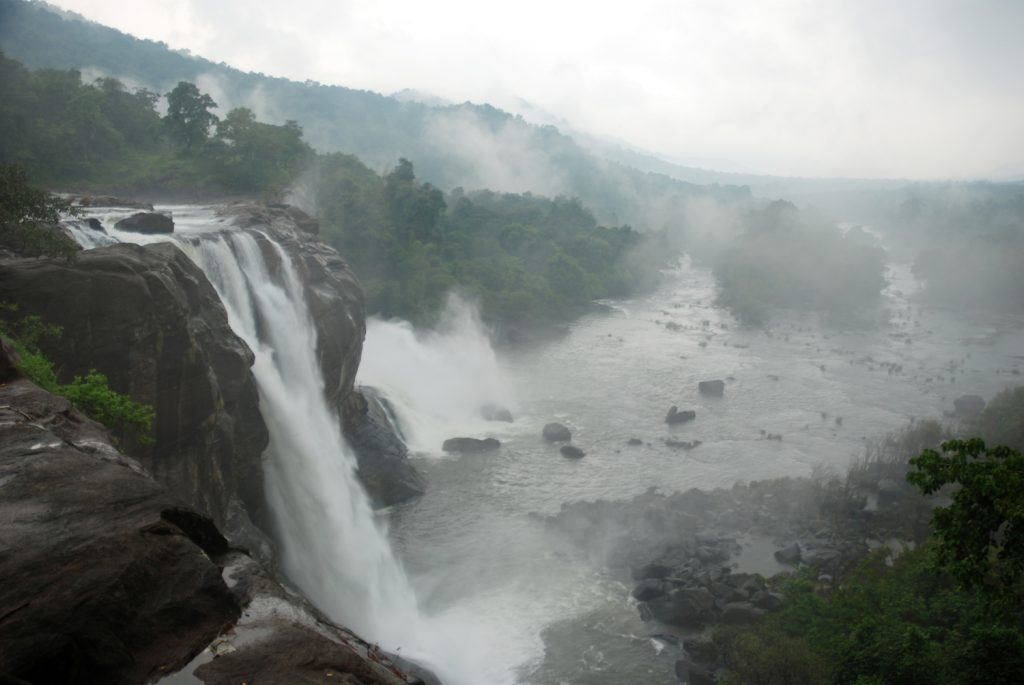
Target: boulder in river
{"x":714,"y":388}
{"x":496,"y":412}
{"x":556,"y":432}
{"x":789,"y":555}
{"x":146,"y":222}
{"x":969,"y":406}
{"x":675,"y":416}
{"x":470,"y":445}
{"x":634,"y":442}
{"x":572,"y":452}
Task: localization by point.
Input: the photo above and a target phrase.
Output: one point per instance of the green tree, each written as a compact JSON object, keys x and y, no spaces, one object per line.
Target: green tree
{"x":188,"y":117}
{"x":981,"y":534}
{"x":29,"y":218}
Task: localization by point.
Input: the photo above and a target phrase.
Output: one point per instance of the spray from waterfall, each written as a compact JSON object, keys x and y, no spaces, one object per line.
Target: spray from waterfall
{"x":439,"y":380}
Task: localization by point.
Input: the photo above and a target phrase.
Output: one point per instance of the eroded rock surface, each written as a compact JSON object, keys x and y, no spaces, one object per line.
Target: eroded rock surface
{"x":148,"y":319}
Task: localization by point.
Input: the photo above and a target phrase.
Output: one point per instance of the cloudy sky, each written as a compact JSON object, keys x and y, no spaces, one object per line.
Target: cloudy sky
{"x":867,"y":88}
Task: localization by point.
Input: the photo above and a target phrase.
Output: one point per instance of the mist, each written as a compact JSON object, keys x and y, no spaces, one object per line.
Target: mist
{"x":607,"y":346}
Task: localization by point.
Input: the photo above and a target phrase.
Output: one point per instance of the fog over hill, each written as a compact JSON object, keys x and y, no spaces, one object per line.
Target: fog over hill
{"x":464,"y":145}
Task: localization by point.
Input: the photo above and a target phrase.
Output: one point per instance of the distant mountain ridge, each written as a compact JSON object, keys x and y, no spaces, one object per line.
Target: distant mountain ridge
{"x":466,"y":145}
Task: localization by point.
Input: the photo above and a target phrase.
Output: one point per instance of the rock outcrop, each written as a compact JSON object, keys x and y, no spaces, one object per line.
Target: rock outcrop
{"x":148,"y":319}
{"x":470,"y":445}
{"x":146,"y":222}
{"x":108,"y":578}
{"x":100,"y":585}
{"x":337,"y":308}
{"x":383,"y":459}
{"x":556,"y":432}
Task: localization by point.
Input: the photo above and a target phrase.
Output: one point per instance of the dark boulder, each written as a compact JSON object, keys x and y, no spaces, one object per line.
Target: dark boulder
{"x":687,"y":607}
{"x":769,"y":601}
{"x":651,"y":571}
{"x":556,"y":432}
{"x":889,"y":493}
{"x":149,"y":320}
{"x":740,"y":613}
{"x":382,"y":458}
{"x":634,"y":442}
{"x":494,"y":412}
{"x":651,"y":588}
{"x":969,"y":406}
{"x":95,"y":224}
{"x":470,"y":445}
{"x":714,"y":388}
{"x":675,"y":416}
{"x":110,"y":201}
{"x":146,"y":222}
{"x":572,"y":452}
{"x":99,"y":585}
{"x":693,"y":674}
{"x":789,"y":555}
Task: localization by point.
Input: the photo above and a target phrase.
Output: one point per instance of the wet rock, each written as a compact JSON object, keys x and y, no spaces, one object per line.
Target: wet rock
{"x":634,"y":442}
{"x":95,"y":224}
{"x":102,"y":579}
{"x":789,"y":555}
{"x":687,"y":607}
{"x":470,"y":445}
{"x":381,"y":456}
{"x":769,"y":601}
{"x":889,"y":492}
{"x":675,"y":416}
{"x":969,"y":406}
{"x":701,"y":649}
{"x":714,"y":388}
{"x":693,"y":674}
{"x":149,"y":320}
{"x":110,"y":201}
{"x":572,"y":452}
{"x":148,"y":223}
{"x":682,"y":444}
{"x":740,"y":613}
{"x":556,"y":432}
{"x":658,"y":571}
{"x":494,"y":412}
{"x":649,"y":589}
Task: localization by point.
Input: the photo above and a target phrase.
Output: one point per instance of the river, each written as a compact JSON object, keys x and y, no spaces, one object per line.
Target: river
{"x":494,"y":590}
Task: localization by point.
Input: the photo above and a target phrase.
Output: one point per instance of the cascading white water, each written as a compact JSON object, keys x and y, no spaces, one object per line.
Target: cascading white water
{"x":437,"y":380}
{"x":331,"y":545}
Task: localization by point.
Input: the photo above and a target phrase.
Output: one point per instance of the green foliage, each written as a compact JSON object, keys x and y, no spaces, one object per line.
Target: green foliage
{"x":785,"y":259}
{"x":528,"y":260}
{"x":761,"y":656}
{"x":92,"y":395}
{"x":908,"y":623}
{"x":188,"y":118}
{"x":102,"y":137}
{"x":1002,"y":422}
{"x":980,"y":536}
{"x":29,"y":217}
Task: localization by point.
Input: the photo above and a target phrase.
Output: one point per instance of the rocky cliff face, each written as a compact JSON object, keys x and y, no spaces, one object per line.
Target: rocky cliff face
{"x":108,"y":578}
{"x":337,"y":307}
{"x":148,"y":319}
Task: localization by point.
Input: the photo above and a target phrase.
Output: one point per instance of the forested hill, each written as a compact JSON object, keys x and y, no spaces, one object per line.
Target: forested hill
{"x":469,"y":146}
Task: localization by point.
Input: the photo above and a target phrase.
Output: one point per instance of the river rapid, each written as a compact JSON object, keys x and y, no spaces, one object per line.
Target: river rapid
{"x":501,"y":602}
{"x":554,"y":616}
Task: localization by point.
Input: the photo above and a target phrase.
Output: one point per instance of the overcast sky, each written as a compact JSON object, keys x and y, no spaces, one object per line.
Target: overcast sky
{"x":868,"y":88}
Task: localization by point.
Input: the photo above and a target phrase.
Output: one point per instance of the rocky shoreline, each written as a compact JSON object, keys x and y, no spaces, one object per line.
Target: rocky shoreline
{"x":697,"y":560}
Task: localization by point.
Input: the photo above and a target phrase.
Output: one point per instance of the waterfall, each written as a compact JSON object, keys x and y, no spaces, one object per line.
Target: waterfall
{"x":437,"y":380}
{"x":330,"y":543}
